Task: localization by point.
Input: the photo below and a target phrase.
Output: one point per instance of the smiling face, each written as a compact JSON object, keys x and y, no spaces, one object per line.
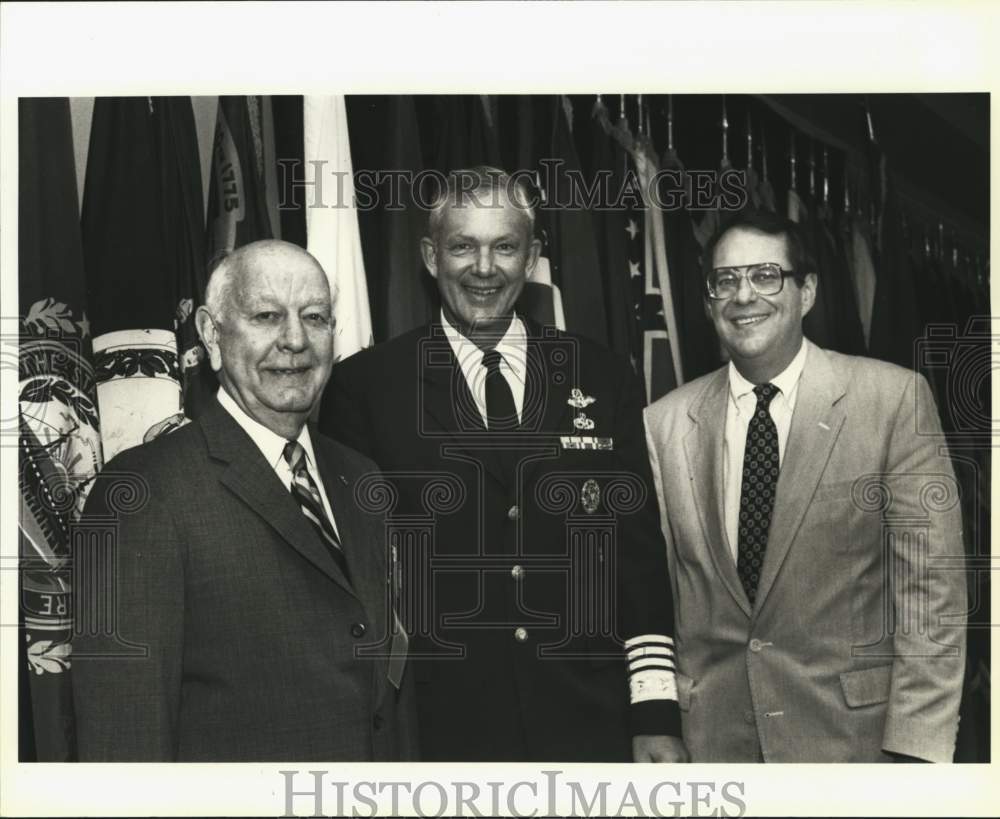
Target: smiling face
{"x":761,"y":333}
{"x":272,"y":345}
{"x":481,"y":257}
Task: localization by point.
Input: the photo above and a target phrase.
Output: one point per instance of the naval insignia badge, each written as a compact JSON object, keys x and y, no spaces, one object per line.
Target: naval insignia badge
{"x":578,"y":400}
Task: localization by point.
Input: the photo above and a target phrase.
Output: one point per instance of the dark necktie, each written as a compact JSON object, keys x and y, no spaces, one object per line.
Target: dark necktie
{"x":306,"y":493}
{"x":760,"y":479}
{"x":501,"y":413}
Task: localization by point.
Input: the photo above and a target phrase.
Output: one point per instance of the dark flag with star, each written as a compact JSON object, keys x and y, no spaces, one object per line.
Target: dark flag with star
{"x":652,"y":357}
{"x":59,"y":432}
{"x":144,"y":250}
{"x":655,"y":357}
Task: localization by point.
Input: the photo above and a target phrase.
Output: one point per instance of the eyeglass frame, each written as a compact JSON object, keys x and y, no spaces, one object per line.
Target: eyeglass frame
{"x":745,"y":276}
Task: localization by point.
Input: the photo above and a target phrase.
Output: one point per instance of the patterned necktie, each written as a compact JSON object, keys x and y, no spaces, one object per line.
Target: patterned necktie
{"x":501,"y":414}
{"x":760,"y":479}
{"x":305,"y":491}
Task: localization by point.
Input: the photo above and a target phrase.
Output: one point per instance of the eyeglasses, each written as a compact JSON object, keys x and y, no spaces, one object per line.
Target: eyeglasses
{"x":765,"y":279}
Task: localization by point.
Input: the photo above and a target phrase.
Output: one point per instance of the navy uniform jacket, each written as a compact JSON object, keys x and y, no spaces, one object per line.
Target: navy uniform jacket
{"x":525,"y":565}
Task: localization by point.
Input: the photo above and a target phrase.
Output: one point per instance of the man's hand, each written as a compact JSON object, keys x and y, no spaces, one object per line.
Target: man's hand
{"x":665,"y":748}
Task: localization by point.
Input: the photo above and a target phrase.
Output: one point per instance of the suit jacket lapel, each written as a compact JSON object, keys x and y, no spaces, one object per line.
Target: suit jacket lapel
{"x":367,"y":582}
{"x":816,"y":423}
{"x":251,"y":478}
{"x":704,"y":449}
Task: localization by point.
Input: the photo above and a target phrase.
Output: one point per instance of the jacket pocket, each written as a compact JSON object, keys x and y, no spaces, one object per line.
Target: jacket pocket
{"x":684,"y":686}
{"x":867,"y":686}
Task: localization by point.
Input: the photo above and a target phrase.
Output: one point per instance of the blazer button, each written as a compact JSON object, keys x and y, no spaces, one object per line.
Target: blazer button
{"x":513,"y":513}
{"x":520,"y":634}
{"x":756,"y":645}
{"x":517,"y":572}
{"x":358,"y":630}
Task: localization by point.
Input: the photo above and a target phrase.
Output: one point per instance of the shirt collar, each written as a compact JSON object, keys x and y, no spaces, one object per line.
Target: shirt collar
{"x":513,"y":347}
{"x":785,"y":381}
{"x":271,"y":445}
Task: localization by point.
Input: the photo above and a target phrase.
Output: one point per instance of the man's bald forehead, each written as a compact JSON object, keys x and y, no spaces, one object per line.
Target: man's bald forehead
{"x":231,"y":273}
{"x":270,"y":250}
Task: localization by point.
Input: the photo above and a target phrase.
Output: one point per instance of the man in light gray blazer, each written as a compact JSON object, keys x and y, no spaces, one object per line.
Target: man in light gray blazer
{"x":813,"y":533}
{"x":249,"y":581}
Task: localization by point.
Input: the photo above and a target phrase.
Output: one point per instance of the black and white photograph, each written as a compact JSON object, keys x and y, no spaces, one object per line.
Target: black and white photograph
{"x":477,"y":437}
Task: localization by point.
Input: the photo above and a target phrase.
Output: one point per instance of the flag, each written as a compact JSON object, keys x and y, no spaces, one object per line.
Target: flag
{"x":541,"y":298}
{"x":862,"y":272}
{"x":895,"y":316}
{"x":842,"y":315}
{"x":289,"y":142}
{"x":696,"y":336}
{"x":59,"y":429}
{"x":237,"y":203}
{"x":332,"y":232}
{"x":656,"y":253}
{"x":461,"y":131}
{"x":572,"y":248}
{"x":610,"y":158}
{"x":653,"y":356}
{"x":385,"y":137}
{"x":143,"y":243}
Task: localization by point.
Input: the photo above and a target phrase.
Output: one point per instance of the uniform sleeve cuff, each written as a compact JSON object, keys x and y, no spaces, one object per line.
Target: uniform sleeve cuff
{"x":655,"y":718}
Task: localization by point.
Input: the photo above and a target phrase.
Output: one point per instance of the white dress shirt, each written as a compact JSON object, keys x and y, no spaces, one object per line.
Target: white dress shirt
{"x":739,"y":410}
{"x":272,"y":446}
{"x":513,"y":349}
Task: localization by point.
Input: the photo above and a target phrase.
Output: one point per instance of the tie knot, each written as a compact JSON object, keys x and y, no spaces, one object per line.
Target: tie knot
{"x":765,"y":392}
{"x":491,"y":361}
{"x":295,"y":455}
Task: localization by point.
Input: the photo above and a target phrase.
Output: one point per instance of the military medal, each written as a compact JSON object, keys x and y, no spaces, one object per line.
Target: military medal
{"x":590,"y":496}
{"x":581,"y":424}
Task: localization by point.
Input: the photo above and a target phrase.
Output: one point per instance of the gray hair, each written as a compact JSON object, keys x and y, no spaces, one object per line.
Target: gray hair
{"x":220,"y":282}
{"x":481,"y":179}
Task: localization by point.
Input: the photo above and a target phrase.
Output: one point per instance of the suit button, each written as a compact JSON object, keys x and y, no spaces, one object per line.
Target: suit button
{"x":358,"y":630}
{"x":748,"y":717}
{"x":517,"y":572}
{"x":756,"y":645}
{"x":513,"y":513}
{"x":520,"y":634}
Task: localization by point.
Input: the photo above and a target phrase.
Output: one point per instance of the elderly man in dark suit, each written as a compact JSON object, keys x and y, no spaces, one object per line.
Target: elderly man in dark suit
{"x":534,"y":575}
{"x":813,"y":532}
{"x":249,"y":577}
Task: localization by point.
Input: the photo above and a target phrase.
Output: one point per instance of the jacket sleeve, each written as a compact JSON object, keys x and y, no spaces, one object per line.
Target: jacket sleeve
{"x":127,"y":668}
{"x":927,"y":578}
{"x":647,"y":611}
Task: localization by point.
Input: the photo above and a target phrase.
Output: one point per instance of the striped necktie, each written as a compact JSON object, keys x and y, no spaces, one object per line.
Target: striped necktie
{"x":306,"y":492}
